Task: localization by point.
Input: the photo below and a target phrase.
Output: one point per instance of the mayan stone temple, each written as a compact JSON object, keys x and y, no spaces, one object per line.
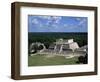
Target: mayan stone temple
{"x":64,"y":47}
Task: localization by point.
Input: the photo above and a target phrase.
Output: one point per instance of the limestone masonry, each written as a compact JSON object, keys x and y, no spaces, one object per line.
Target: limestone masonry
{"x":62,"y":47}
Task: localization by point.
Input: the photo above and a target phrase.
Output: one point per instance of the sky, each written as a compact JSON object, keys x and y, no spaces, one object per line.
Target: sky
{"x":39,"y":23}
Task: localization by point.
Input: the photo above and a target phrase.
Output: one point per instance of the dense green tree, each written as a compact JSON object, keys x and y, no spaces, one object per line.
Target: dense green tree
{"x":48,"y":38}
{"x":83,"y":59}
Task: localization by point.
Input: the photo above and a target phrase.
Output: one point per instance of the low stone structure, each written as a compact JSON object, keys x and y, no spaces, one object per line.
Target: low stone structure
{"x":31,"y":48}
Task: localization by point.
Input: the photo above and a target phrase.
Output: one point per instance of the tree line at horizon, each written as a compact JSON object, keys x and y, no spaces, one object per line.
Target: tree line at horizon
{"x":49,"y":38}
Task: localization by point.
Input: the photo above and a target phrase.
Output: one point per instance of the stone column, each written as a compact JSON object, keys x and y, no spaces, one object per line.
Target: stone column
{"x":61,"y":48}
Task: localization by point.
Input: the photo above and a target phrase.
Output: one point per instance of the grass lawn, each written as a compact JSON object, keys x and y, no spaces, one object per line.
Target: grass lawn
{"x":42,"y":60}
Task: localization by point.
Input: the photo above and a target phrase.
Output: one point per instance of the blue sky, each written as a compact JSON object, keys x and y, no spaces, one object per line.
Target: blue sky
{"x":37,"y":23}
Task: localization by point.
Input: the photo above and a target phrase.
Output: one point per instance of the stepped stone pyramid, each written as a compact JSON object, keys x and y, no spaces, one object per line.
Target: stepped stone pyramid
{"x":63,"y":44}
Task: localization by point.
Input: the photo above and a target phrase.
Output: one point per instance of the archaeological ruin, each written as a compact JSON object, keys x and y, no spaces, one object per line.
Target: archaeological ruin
{"x":62,"y":47}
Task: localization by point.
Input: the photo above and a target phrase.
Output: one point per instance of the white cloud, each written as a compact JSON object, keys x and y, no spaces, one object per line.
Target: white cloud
{"x":49,"y":19}
{"x":45,"y":17}
{"x":78,"y":19}
{"x":56,"y":19}
{"x":35,"y":21}
{"x":82,"y":21}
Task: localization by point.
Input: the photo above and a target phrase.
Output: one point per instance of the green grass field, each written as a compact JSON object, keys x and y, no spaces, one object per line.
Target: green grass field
{"x":42,"y":60}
